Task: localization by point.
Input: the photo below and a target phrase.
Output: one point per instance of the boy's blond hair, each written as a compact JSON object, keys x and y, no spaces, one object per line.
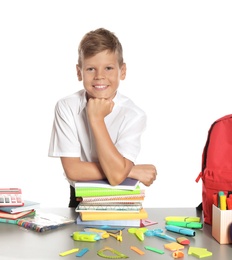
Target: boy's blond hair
{"x":97,"y":41}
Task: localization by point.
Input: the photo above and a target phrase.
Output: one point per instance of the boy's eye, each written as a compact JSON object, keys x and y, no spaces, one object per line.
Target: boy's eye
{"x":109,"y":68}
{"x":90,"y":69}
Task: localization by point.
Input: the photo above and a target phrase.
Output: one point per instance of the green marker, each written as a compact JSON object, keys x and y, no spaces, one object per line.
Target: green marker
{"x":196,"y":225}
{"x":154,"y":249}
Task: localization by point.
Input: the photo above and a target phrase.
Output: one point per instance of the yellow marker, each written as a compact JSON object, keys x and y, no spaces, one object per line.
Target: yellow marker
{"x":223,"y":202}
{"x":74,"y":250}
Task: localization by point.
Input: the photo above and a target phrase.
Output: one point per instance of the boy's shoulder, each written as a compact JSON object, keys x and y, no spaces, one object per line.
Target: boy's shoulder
{"x":128,"y":103}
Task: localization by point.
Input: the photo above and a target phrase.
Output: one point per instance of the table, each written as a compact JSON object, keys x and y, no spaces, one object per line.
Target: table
{"x":19,"y":243}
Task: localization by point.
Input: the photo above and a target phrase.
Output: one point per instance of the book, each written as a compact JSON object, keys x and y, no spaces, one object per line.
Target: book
{"x":44,"y":221}
{"x":85,"y":216}
{"x":114,"y":223}
{"x":107,"y":199}
{"x":90,"y":192}
{"x":110,"y":207}
{"x":28,"y":205}
{"x":127,"y":184}
{"x":5,"y":215}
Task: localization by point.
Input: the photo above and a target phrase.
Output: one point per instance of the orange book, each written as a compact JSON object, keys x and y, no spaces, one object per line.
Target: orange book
{"x":85,"y":216}
{"x":15,"y":215}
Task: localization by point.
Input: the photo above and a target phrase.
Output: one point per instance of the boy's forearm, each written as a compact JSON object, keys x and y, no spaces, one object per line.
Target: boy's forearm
{"x":77,"y":170}
{"x":114,"y":165}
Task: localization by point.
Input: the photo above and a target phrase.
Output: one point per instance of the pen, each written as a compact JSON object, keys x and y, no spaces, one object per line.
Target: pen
{"x":180,"y":230}
{"x":154,"y":249}
{"x":196,"y":225}
{"x":186,"y":219}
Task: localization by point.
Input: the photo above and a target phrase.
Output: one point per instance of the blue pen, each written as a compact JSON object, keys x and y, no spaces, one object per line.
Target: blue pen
{"x":180,"y":230}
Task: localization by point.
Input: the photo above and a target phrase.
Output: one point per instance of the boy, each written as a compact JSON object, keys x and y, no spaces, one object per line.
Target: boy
{"x":96,"y":131}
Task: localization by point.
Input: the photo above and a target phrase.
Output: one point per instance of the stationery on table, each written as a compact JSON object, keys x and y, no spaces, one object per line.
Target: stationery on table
{"x":115,"y":198}
{"x":28,"y":205}
{"x":114,"y":222}
{"x":89,"y":192}
{"x":11,"y":197}
{"x":44,"y":221}
{"x":85,"y":216}
{"x":4,"y":216}
{"x":110,"y":207}
{"x":127,"y":184}
{"x":223,"y":200}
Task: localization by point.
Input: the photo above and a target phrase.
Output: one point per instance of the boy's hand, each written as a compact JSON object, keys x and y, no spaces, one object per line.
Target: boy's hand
{"x":98,"y":108}
{"x":145,"y":173}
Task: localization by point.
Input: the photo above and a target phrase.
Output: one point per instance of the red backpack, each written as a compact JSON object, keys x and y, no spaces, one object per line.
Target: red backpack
{"x":216,"y":168}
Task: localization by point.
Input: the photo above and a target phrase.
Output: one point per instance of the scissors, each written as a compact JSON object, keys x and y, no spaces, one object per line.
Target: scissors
{"x":139,"y":232}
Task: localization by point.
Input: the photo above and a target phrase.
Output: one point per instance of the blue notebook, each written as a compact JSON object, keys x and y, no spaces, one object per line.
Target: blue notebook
{"x":28,"y":205}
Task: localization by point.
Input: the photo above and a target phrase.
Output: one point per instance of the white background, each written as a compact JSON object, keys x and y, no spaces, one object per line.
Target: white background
{"x":179,"y":60}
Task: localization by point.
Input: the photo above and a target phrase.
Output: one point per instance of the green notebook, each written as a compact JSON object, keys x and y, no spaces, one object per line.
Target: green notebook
{"x":91,"y":192}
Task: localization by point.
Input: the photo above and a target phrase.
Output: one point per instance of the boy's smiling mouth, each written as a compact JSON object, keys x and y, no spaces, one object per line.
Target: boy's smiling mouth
{"x":100,"y":87}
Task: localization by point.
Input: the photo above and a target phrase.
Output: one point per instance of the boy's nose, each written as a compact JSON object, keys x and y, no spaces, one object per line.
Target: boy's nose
{"x":99,"y":75}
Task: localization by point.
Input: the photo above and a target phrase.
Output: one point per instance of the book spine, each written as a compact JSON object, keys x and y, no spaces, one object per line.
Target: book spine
{"x":110,"y":208}
{"x":90,"y":192}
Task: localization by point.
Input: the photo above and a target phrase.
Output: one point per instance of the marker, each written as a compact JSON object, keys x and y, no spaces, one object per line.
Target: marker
{"x":140,"y":252}
{"x":180,"y":230}
{"x":154,"y":250}
{"x":74,"y":250}
{"x":186,"y":219}
{"x":82,"y":252}
{"x":223,"y":202}
{"x":196,"y":225}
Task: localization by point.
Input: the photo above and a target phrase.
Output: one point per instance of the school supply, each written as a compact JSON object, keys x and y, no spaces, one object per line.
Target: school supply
{"x":90,"y":192}
{"x":44,"y":221}
{"x":216,"y":166}
{"x":127,"y":184}
{"x":11,"y":197}
{"x":86,"y":216}
{"x":158,"y":233}
{"x":117,"y":198}
{"x":4,"y":216}
{"x":110,"y":207}
{"x":183,"y":218}
{"x":139,"y":232}
{"x":28,"y":205}
{"x":195,"y":225}
{"x":114,"y":254}
{"x":181,"y":230}
{"x":113,"y":223}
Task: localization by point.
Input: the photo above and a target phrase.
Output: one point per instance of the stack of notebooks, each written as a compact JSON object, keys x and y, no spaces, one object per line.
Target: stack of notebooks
{"x":103,"y":204}
{"x":15,"y":210}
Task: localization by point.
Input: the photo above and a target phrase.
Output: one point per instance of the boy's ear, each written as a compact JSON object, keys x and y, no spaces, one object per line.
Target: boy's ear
{"x":79,"y":76}
{"x":123,"y":71}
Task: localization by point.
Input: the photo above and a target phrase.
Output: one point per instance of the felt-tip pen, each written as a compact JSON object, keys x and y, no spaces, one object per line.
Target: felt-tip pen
{"x":196,"y":225}
{"x":181,"y":230}
{"x":154,"y":249}
{"x":186,"y":219}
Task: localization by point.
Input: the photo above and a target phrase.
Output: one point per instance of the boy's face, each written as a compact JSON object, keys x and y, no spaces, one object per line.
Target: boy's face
{"x":101,"y":75}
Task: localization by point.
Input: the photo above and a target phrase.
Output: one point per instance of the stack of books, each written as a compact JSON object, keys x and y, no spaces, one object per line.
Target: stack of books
{"x":104,"y":204}
{"x":15,"y":210}
{"x":12,"y":214}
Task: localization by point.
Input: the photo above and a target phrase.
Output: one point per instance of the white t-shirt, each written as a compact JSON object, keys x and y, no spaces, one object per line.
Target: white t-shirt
{"x":72,"y":136}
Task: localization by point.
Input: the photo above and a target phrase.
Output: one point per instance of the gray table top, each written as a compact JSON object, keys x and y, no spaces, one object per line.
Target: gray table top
{"x":19,"y":243}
